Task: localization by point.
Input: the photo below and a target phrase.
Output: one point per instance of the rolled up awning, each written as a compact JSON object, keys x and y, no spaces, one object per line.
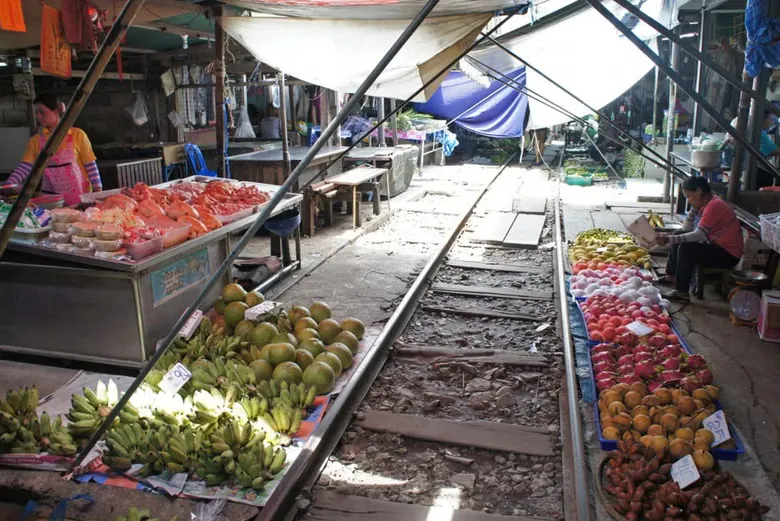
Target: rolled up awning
{"x":339,"y":54}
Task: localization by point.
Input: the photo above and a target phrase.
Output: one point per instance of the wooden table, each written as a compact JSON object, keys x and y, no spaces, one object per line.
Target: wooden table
{"x":266,"y":166}
{"x":359,"y":178}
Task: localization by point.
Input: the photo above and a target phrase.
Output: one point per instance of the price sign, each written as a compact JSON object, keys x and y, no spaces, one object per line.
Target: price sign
{"x":640,"y":329}
{"x":175,"y":379}
{"x":716,"y":424}
{"x":684,"y":472}
{"x":191,"y":325}
{"x":261,"y":309}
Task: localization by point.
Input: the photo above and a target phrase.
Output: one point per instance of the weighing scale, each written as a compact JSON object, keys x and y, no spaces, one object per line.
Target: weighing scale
{"x":745,"y":298}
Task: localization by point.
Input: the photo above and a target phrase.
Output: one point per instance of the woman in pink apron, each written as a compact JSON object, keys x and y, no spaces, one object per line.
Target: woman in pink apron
{"x":71,"y":171}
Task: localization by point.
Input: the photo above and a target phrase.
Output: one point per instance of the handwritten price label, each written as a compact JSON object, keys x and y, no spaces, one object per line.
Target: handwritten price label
{"x":716,"y":424}
{"x":191,"y":325}
{"x":684,"y":472}
{"x":261,"y":309}
{"x":175,"y":379}
{"x":640,"y":329}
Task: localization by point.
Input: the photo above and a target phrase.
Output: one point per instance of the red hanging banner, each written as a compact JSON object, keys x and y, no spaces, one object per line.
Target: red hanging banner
{"x":55,"y":51}
{"x":12,"y":16}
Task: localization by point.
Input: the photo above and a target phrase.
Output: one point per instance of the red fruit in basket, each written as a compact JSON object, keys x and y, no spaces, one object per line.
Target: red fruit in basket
{"x":690,"y":384}
{"x":627,"y":339}
{"x":609,"y":333}
{"x":644,"y":357}
{"x":602,"y":385}
{"x":653,"y":385}
{"x":657,"y":309}
{"x":603,"y":356}
{"x":671,"y":377}
{"x":672,"y":363}
{"x":644,"y":369}
{"x":626,"y":369}
{"x":629,"y":379}
{"x":657,"y":340}
{"x":615,"y":322}
{"x":626,"y":359}
{"x":601,"y":367}
{"x":622,"y":350}
{"x":670,"y":351}
{"x":696,"y":362}
{"x":597,"y":336}
{"x":705,"y":376}
{"x":672,"y":339}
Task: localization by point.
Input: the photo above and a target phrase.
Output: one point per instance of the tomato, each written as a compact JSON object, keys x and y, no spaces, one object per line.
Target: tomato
{"x":652,"y":322}
{"x":626,"y":321}
{"x":615,"y":322}
{"x":604,"y":316}
{"x":596,"y":335}
{"x":603,"y":323}
{"x":672,"y":338}
{"x":622,"y":329}
{"x":637,"y":314}
{"x":666,"y":330}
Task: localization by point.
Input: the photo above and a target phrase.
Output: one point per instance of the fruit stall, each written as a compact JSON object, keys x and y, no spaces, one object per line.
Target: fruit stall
{"x":129,"y":263}
{"x":656,"y":412}
{"x":222,"y":414}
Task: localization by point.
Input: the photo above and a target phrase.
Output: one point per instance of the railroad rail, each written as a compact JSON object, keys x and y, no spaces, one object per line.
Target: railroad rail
{"x":518,"y":428}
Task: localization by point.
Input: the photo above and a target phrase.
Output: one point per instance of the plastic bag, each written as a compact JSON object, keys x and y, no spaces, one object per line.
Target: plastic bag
{"x":138,"y":110}
{"x":209,"y":511}
{"x":244,"y":129}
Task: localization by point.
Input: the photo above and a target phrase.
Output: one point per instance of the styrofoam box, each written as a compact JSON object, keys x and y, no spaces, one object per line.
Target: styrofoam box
{"x":768,"y":324}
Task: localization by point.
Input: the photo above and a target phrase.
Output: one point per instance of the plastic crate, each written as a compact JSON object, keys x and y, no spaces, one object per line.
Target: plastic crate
{"x":770,"y":230}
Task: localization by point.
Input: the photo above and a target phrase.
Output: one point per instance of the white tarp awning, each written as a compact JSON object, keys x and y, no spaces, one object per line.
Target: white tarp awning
{"x":339,"y":54}
{"x":584,"y":53}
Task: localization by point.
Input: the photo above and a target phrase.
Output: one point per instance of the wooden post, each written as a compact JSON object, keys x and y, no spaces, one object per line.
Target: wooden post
{"x":735,"y":177}
{"x":219,"y":87}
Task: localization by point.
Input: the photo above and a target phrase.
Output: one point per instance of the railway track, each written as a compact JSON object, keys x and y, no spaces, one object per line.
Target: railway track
{"x":461,"y":403}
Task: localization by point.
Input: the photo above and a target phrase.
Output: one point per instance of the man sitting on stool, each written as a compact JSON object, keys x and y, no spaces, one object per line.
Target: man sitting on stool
{"x":715,"y":241}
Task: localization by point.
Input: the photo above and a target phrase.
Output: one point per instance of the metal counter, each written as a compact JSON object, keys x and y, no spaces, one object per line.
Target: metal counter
{"x":65,"y":305}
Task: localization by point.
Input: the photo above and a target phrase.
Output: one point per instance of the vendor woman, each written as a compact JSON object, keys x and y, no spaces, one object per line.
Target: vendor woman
{"x":72,"y":170}
{"x":711,"y":237}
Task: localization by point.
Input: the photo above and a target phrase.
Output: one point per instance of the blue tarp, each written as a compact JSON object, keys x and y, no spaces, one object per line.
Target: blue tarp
{"x":761,"y":32}
{"x":496,"y":111}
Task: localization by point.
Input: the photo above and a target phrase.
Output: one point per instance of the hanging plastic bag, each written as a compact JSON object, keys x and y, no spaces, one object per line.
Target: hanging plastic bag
{"x":211,"y":511}
{"x":138,"y":111}
{"x":244,"y":129}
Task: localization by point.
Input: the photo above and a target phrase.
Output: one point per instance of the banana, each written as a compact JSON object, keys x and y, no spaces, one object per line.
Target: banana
{"x":90,"y":395}
{"x":268,"y":456}
{"x":45,"y":422}
{"x":278,"y":461}
{"x":81,"y":404}
{"x":311,"y":395}
{"x":117,"y":463}
{"x":13,"y":399}
{"x":213,"y":480}
{"x":296,"y":422}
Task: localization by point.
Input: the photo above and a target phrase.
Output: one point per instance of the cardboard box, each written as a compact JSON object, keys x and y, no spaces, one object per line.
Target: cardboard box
{"x":768,"y":324}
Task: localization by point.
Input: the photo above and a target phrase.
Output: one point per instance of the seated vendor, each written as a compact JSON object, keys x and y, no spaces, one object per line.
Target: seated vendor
{"x":71,"y":170}
{"x":270,"y":126}
{"x":711,"y":237}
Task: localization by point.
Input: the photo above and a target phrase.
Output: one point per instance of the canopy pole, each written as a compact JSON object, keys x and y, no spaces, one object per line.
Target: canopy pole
{"x":676,"y":78}
{"x":655,"y":105}
{"x":380,"y":114}
{"x":273,"y":506}
{"x":728,"y":76}
{"x":735,"y":176}
{"x":219,"y":87}
{"x":283,"y":126}
{"x":755,"y":125}
{"x":393,"y":123}
{"x":703,"y":37}
{"x":76,"y":104}
{"x":671,"y":127}
{"x":602,"y":116}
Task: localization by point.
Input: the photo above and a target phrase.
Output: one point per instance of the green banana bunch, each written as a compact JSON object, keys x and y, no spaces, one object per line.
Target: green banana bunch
{"x":24,"y":442}
{"x":249,"y":409}
{"x":255,"y":467}
{"x":88,"y":410}
{"x":210,"y":406}
{"x":251,"y":354}
{"x":21,"y":404}
{"x":58,"y":441}
{"x":127,"y":444}
{"x":241,"y":374}
{"x":181,"y":450}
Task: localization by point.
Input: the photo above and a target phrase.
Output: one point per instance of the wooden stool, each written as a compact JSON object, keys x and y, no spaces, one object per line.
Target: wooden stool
{"x":718,"y":276}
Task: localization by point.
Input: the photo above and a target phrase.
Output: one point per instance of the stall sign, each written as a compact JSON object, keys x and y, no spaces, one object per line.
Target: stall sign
{"x":684,"y":472}
{"x":12,"y":16}
{"x":716,"y":424}
{"x":175,"y":379}
{"x":55,"y":50}
{"x":179,"y":276}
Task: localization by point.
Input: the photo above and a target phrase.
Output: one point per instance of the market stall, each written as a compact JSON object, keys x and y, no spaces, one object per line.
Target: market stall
{"x":400,"y":161}
{"x":267,"y":166}
{"x":63,"y":299}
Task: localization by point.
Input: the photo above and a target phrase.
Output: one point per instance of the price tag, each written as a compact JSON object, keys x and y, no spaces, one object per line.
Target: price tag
{"x":191,"y":325}
{"x":175,"y":379}
{"x":261,"y":309}
{"x":716,"y":424}
{"x":640,"y":329}
{"x":684,"y":472}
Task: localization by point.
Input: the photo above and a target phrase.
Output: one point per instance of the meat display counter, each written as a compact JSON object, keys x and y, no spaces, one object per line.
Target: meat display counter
{"x":60,"y":304}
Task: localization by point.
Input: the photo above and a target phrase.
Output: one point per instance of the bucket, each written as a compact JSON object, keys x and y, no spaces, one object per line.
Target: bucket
{"x":705,"y":158}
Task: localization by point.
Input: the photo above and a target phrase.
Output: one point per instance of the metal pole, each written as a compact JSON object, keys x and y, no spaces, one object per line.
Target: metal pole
{"x":380,"y":113}
{"x":244,"y":91}
{"x":703,"y":36}
{"x":283,"y":126}
{"x":77,"y":102}
{"x":219,"y":87}
{"x":655,"y":106}
{"x":755,"y":124}
{"x":709,"y":109}
{"x":261,"y":218}
{"x":394,"y":124}
{"x":675,"y":38}
{"x":735,"y":177}
{"x":602,"y":116}
{"x":671,"y":120}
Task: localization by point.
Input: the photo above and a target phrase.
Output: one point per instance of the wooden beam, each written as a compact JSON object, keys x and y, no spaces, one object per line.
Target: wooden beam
{"x":484,"y":291}
{"x":476,"y":265}
{"x":489,"y":314}
{"x":504,"y":437}
{"x":105,"y":76}
{"x":331,"y":506}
